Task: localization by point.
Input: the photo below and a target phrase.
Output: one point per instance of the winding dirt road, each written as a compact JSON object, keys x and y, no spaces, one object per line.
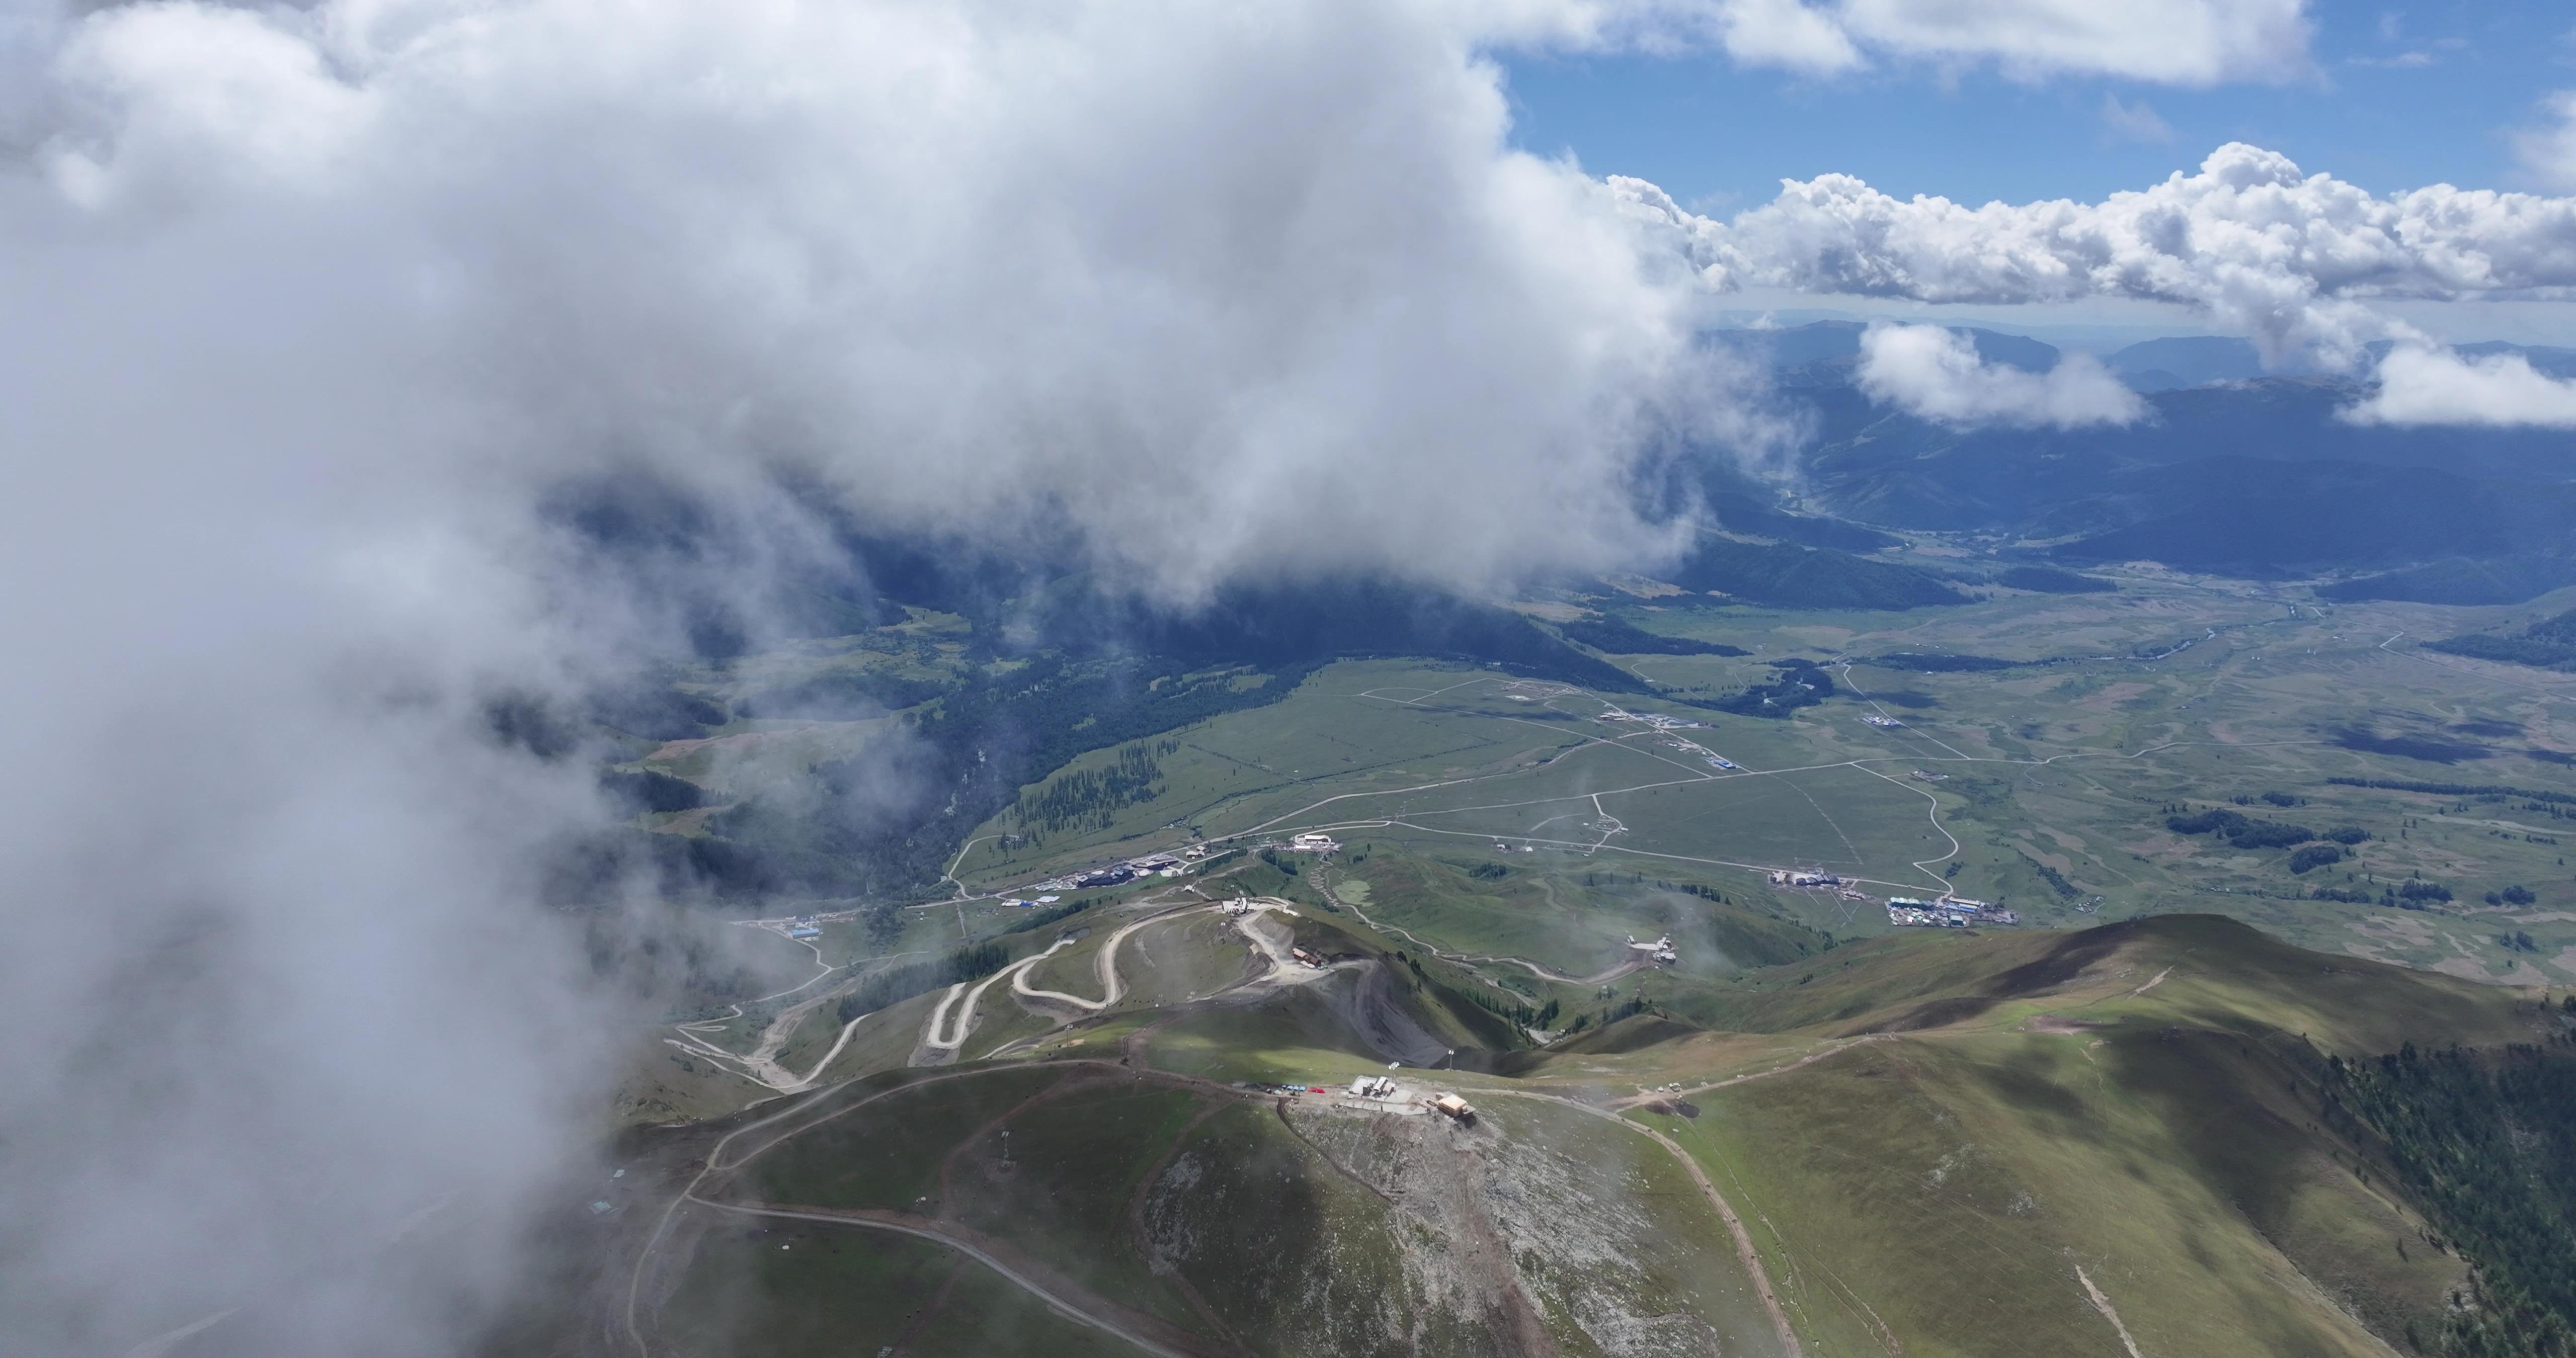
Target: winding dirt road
{"x":940,"y":1036}
{"x":944,"y":1036}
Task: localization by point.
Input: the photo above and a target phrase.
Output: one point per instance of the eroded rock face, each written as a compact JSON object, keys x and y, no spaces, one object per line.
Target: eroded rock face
{"x":1383,"y":1233}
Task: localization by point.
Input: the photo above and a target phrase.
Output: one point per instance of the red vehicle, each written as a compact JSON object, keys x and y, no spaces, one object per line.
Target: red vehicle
{"x":1316,"y":1089}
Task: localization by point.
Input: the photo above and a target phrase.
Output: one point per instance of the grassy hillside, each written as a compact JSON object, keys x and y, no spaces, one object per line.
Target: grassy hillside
{"x":1785,"y":575}
{"x":2548,"y":644}
{"x":2175,"y":1129}
{"x":2154,"y":1102}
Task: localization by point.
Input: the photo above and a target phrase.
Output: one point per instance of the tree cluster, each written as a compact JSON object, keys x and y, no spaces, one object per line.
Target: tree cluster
{"x":2486,"y":1142}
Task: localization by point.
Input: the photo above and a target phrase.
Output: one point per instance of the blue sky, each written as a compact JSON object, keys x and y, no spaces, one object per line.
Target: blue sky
{"x":2396,"y":97}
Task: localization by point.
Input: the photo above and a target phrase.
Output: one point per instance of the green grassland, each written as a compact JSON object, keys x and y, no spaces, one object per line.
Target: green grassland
{"x":1181,"y":960}
{"x":1954,"y":1142}
{"x":1278,"y":1230}
{"x":2056,"y":778}
{"x":2143,"y":1101}
{"x":1940,"y":1143}
{"x":791,"y":1289}
{"x":892,"y":1158}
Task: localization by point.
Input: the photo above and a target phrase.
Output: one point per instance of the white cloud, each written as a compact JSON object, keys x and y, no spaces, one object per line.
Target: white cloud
{"x":2249,"y":240}
{"x":2421,"y":385}
{"x":1935,"y":373}
{"x":2134,"y":122}
{"x":1788,"y":34}
{"x":2548,"y":151}
{"x":314,"y":304}
{"x":2182,"y":42}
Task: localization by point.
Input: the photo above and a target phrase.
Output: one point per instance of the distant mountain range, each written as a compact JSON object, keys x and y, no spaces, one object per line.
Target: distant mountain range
{"x":2234,"y":472}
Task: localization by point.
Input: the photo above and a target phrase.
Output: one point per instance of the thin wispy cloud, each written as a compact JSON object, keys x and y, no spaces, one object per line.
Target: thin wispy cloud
{"x":2136,"y":122}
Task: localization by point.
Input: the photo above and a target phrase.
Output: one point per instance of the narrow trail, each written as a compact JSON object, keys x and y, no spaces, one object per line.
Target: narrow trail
{"x":1112,"y":990}
{"x":939,"y":1036}
{"x":2103,"y":1304}
{"x":1745,"y":1254}
{"x":1059,"y":1297}
{"x":942,"y":1035}
{"x":1099,"y":1314}
{"x":760,"y":1064}
{"x":1544,"y":973}
{"x":1730,"y":1081}
{"x":716,"y":1164}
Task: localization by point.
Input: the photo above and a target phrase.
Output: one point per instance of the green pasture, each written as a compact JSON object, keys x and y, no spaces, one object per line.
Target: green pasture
{"x":798,"y":1289}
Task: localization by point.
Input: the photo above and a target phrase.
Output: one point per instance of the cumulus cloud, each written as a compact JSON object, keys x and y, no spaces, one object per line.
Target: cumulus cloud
{"x":2292,"y":259}
{"x":1936,"y":373}
{"x":304,"y":312}
{"x":1788,"y":34}
{"x":2422,"y":385}
{"x":1062,"y":277}
{"x":2548,"y":150}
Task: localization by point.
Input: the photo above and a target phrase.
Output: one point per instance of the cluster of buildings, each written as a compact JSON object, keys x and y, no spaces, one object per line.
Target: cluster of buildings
{"x":1703,"y":753}
{"x":1378,"y":1089}
{"x":1949,"y":912}
{"x":1655,"y":720}
{"x":1661,"y":950}
{"x":1789,"y":877}
{"x":1119,"y":874}
{"x":1314,"y":841}
{"x":1876,"y":720}
{"x":805,"y":927}
{"x":1659,"y":722}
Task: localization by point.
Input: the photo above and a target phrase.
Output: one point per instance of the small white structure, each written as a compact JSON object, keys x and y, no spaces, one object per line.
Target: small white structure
{"x":1660,"y":950}
{"x":1313,"y":842}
